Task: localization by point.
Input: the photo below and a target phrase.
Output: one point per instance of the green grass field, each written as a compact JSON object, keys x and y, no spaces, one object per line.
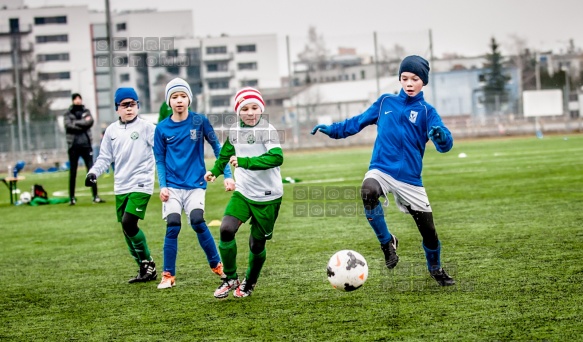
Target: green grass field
{"x":509,"y":217}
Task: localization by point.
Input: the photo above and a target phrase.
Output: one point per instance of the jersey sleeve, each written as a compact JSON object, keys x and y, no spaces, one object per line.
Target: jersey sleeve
{"x":357,"y":123}
{"x":222,"y":161}
{"x":433,"y":119}
{"x":160,"y":155}
{"x":211,"y":136}
{"x":105,"y":157}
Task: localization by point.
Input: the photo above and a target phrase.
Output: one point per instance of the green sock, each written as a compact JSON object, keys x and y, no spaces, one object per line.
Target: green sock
{"x":131,"y":249}
{"x":140,"y":245}
{"x":228,"y":252}
{"x":256,"y":262}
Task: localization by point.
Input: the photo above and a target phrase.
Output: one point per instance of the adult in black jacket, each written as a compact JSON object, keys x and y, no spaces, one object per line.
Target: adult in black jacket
{"x":78,"y":123}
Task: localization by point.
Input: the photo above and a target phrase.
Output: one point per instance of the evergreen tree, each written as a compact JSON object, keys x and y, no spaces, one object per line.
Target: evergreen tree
{"x":494,"y":90}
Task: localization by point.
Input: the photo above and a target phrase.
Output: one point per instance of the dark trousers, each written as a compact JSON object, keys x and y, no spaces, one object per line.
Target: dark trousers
{"x":74,"y":153}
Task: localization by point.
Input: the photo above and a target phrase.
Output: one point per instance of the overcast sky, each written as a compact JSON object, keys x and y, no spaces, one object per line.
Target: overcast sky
{"x":458,"y":26}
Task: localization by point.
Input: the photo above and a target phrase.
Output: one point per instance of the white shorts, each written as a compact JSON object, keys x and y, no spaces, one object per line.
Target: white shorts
{"x":183,"y":199}
{"x":404,"y":194}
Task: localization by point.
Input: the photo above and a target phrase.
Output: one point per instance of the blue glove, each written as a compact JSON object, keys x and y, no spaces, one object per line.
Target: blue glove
{"x":437,"y":135}
{"x":322,"y":128}
{"x":91,"y":179}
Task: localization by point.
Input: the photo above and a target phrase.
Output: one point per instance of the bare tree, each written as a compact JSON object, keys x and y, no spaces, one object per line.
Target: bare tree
{"x":315,"y":55}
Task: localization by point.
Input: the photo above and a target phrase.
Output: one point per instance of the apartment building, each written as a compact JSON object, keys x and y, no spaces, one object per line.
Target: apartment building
{"x":52,"y":45}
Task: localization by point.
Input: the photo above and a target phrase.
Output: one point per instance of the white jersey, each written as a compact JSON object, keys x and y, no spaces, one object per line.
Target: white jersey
{"x":256,"y":185}
{"x":129,"y":147}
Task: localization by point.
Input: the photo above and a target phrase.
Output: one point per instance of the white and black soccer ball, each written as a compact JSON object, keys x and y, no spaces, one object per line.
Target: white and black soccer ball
{"x":347,"y":270}
{"x":25,"y":197}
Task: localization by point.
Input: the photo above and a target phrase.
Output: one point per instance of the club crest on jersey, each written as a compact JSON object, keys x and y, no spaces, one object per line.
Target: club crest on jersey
{"x":251,"y":139}
{"x":135,"y":135}
{"x":413,"y":116}
{"x":193,"y":134}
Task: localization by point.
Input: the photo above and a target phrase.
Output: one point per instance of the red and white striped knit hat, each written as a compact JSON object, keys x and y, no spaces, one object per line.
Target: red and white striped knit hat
{"x":248,"y":95}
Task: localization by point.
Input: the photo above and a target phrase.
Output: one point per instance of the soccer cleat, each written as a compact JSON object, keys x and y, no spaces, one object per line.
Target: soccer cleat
{"x":244,"y":290}
{"x":147,"y":272}
{"x":390,"y":251}
{"x":167,"y":282}
{"x":72,"y":201}
{"x":97,"y":199}
{"x":442,"y":277}
{"x":227,"y":285}
{"x":219,"y":270}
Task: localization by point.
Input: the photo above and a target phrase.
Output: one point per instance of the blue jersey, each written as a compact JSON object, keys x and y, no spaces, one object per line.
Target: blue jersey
{"x":403,"y":124}
{"x":179,"y":151}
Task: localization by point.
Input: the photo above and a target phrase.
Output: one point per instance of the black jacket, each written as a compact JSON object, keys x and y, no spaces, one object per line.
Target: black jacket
{"x":78,"y":123}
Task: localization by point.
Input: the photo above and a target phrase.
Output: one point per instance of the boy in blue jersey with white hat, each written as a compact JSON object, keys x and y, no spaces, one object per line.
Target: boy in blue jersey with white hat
{"x":179,"y":151}
{"x":405,"y":123}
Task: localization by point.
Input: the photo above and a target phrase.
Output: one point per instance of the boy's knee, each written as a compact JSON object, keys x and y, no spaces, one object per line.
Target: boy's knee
{"x":129,"y":224}
{"x":196,"y":218}
{"x":229,"y":228}
{"x":370,"y":192}
{"x":173,"y":220}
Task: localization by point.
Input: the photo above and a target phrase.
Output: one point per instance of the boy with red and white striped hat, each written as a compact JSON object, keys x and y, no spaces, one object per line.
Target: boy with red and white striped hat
{"x":253,"y":148}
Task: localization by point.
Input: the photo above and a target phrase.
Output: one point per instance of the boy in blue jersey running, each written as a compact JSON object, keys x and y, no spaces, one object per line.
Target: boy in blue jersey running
{"x":405,"y":123}
{"x":179,"y":151}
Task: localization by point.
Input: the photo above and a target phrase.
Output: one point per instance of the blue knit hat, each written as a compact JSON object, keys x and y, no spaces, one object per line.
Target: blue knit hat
{"x":124,"y":93}
{"x":417,"y":65}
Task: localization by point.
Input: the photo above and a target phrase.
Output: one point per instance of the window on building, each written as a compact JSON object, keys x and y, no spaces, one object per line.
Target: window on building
{"x":220,"y":102}
{"x":362,"y":74}
{"x":193,"y":53}
{"x":55,"y":38}
{"x":248,"y":66}
{"x":173,"y":69}
{"x":50,"y":20}
{"x":222,"y":84}
{"x":481,"y":78}
{"x":48,"y":76}
{"x":172,"y":53}
{"x":213,"y":50}
{"x":249,"y":83}
{"x":52,"y":57}
{"x":120,"y":27}
{"x":193,"y":71}
{"x":120,"y":44}
{"x":246,"y":48}
{"x":59,"y":94}
{"x":216,"y":67}
{"x":124,"y":77}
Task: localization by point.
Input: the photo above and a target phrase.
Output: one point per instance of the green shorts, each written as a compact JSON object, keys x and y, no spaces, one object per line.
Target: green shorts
{"x":134,"y":203}
{"x":262,"y":214}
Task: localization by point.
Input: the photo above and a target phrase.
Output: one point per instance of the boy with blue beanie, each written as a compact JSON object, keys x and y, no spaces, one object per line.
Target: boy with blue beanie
{"x":405,"y":123}
{"x":128,"y":143}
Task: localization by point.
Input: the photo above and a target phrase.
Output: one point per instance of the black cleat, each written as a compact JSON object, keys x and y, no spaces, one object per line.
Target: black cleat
{"x":147,"y":272}
{"x":390,"y":251}
{"x":442,"y":277}
{"x":97,"y":199}
{"x":72,"y":201}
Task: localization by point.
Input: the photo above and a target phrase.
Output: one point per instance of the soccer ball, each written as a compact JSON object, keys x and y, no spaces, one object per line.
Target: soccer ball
{"x":25,"y":197}
{"x":347,"y":270}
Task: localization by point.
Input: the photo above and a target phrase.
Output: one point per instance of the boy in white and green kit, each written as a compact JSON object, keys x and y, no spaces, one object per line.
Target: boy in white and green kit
{"x":128,"y":143}
{"x":253,"y":148}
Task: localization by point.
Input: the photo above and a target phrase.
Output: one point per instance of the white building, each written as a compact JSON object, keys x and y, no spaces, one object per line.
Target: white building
{"x":57,"y":42}
{"x":148,"y":53}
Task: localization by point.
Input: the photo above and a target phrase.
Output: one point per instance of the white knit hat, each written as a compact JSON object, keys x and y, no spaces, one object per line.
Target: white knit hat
{"x":248,"y":95}
{"x":177,"y":84}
